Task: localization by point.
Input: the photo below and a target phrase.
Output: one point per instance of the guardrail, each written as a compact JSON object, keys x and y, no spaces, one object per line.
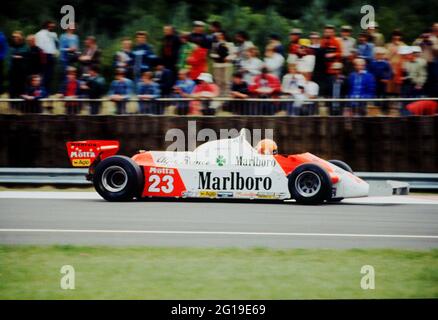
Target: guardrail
{"x":68,"y":176}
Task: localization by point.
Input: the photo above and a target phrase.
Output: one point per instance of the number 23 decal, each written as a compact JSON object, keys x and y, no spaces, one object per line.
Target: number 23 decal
{"x":155,"y":181}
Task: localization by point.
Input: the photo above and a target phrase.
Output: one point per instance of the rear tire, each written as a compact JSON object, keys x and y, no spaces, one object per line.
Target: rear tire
{"x":118,"y":178}
{"x":310,"y":184}
{"x":342,"y":165}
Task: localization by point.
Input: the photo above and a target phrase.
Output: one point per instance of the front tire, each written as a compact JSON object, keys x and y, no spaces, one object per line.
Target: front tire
{"x":118,"y":178}
{"x":310,"y":184}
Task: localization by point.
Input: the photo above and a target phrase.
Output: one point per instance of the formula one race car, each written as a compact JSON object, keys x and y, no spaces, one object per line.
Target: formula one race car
{"x":224,"y":168}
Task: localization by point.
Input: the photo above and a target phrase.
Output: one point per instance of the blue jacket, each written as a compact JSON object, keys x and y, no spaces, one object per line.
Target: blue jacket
{"x":361,"y":85}
{"x":123,"y":87}
{"x":365,"y":51}
{"x":144,"y":58}
{"x":186,"y":86}
{"x":380,"y":69}
{"x":152,"y":89}
{"x":3,"y":46}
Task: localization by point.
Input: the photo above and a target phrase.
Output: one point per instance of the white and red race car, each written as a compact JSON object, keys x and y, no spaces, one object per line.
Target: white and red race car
{"x":225,"y":168}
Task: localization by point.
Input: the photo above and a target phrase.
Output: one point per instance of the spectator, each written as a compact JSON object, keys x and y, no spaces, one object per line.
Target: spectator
{"x":91,"y":55}
{"x":185,"y":51}
{"x":47,"y":40}
{"x":124,"y":58}
{"x":144,"y":56}
{"x":304,"y":59}
{"x":33,"y":94}
{"x":414,"y":73}
{"x":291,"y":81}
{"x":332,"y":47}
{"x":376,"y":38}
{"x":348,"y":42}
{"x":94,"y":88}
{"x":68,"y":47}
{"x":3,"y":54}
{"x":337,"y":89}
{"x":361,"y":85}
{"x":423,"y":108}
{"x":197,"y":61}
{"x":382,"y":72}
{"x":183,"y":88}
{"x":164,"y":78}
{"x":319,"y":71}
{"x":274,"y":61}
{"x":35,"y":57}
{"x":394,"y":59}
{"x":147,"y":90}
{"x":365,"y":49}
{"x":121,"y":90}
{"x":243,"y":44}
{"x":251,"y":65}
{"x":265,"y":85}
{"x":71,"y":90}
{"x":239,"y":90}
{"x":204,"y":89}
{"x":223,"y":54}
{"x":275,"y":41}
{"x":170,"y":49}
{"x":311,"y":91}
{"x":17,"y":65}
{"x":294,"y":38}
{"x":199,"y":36}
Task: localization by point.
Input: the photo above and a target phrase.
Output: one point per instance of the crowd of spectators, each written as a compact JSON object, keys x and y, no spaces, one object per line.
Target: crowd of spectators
{"x":206,"y":63}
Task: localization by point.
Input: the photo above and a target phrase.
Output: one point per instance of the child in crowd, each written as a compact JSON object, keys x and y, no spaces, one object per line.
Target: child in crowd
{"x":148,"y":90}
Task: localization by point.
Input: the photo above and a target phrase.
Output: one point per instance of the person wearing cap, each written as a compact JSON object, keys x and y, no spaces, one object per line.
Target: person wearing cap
{"x":395,"y":61}
{"x":205,"y":88}
{"x":199,"y":36}
{"x":332,"y":47}
{"x":377,"y":38}
{"x":121,"y":90}
{"x":382,"y":72}
{"x":414,"y":73}
{"x":365,"y":49}
{"x":337,"y":88}
{"x":304,"y":59}
{"x":361,"y":85}
{"x":348,"y":42}
{"x":294,"y":38}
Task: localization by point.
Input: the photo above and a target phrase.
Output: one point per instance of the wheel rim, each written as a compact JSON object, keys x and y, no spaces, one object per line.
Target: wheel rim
{"x":308,"y":184}
{"x":114,"y":179}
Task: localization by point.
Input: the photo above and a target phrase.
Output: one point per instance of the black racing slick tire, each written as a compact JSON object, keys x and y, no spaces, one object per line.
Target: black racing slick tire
{"x":342,"y":165}
{"x":118,"y":178}
{"x":310,"y":184}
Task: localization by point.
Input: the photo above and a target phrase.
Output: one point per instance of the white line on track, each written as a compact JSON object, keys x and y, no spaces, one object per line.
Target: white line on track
{"x":230,"y":233}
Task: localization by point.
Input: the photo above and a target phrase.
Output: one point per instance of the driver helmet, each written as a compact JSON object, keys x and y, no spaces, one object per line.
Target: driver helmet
{"x":267,"y":147}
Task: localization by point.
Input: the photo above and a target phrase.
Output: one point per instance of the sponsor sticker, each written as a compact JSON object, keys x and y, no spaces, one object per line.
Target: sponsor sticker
{"x":81,"y":162}
{"x":207,"y":194}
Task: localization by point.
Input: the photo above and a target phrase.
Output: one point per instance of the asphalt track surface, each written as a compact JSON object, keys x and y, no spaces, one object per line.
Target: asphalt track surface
{"x":83,"y":218}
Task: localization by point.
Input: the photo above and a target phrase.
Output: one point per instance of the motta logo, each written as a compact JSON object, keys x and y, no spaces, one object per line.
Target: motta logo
{"x":82,"y":154}
{"x":233,"y":182}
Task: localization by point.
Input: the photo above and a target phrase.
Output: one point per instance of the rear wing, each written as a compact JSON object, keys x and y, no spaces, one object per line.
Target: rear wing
{"x":85,"y":153}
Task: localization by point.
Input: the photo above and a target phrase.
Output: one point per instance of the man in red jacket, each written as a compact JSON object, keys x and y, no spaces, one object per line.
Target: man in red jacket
{"x":265,"y":85}
{"x":197,"y":62}
{"x":332,"y":47}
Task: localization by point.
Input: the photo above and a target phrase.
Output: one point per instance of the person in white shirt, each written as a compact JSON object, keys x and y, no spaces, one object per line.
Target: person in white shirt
{"x":47,"y":40}
{"x":311,"y":90}
{"x":292,"y":80}
{"x":274,"y":61}
{"x":251,"y":65}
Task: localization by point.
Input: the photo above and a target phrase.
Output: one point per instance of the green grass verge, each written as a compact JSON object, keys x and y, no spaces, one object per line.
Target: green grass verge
{"x":33,"y":272}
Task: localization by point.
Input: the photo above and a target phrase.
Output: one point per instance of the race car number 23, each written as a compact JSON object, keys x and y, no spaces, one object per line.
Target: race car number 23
{"x":161,"y":183}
